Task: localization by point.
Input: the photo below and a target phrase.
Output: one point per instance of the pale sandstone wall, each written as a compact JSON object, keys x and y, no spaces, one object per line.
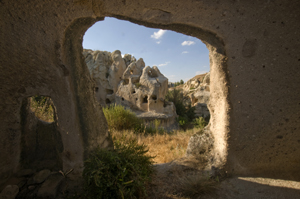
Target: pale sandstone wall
{"x":254,"y":56}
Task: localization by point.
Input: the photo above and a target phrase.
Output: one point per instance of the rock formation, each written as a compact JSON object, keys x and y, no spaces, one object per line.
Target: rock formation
{"x":128,"y":82}
{"x":197,"y":93}
{"x":254,"y":60}
{"x":197,"y":89}
{"x":200,"y":146}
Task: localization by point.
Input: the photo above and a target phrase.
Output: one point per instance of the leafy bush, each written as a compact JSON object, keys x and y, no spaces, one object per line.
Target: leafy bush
{"x":190,"y":112}
{"x":176,"y":96}
{"x":199,"y":122}
{"x":118,"y":118}
{"x":183,"y":122}
{"x":186,"y":114}
{"x":120,"y":173}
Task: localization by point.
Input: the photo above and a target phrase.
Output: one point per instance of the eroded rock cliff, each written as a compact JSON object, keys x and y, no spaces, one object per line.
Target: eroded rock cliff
{"x":128,"y":82}
{"x":197,"y":94}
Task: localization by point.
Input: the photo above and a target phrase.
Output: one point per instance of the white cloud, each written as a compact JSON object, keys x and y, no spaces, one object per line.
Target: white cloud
{"x":200,"y":72}
{"x":184,"y":52}
{"x":171,"y":78}
{"x":166,"y":63}
{"x":158,"y":42}
{"x":187,"y":43}
{"x":158,"y":34}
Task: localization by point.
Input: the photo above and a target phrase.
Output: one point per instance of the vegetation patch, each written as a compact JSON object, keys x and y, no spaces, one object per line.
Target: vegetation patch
{"x":120,"y":173}
{"x":195,"y":186}
{"x":199,"y":122}
{"x":164,"y":147}
{"x":181,"y":82}
{"x":42,"y":107}
{"x":186,"y":114}
{"x":118,"y":118}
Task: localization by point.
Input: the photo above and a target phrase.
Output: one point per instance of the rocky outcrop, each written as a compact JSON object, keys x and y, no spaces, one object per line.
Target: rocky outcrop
{"x":30,"y":184}
{"x":197,"y":89}
{"x":128,"y":82}
{"x":197,"y":94}
{"x":201,"y":146}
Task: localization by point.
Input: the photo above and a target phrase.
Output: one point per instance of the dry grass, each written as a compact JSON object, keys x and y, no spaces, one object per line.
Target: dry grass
{"x":178,"y":181}
{"x":42,"y":111}
{"x":196,"y":185}
{"x":166,"y":147}
{"x":180,"y":177}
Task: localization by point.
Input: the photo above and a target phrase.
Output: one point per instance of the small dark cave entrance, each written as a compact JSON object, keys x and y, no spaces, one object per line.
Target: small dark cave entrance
{"x":41,"y":143}
{"x":145,"y":99}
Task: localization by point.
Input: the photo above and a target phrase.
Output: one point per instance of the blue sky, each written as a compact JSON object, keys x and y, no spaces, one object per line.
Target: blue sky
{"x":177,"y":56}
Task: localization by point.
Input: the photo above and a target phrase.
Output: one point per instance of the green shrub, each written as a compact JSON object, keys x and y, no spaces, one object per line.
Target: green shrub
{"x":176,"y":96}
{"x":190,"y":112}
{"x":119,"y":118}
{"x":183,"y":122}
{"x":120,"y":173}
{"x":199,"y":122}
{"x":186,"y":113}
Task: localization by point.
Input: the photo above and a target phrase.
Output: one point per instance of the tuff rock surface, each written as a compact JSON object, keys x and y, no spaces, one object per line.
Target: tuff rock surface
{"x":129,"y":82}
{"x":254,"y":71}
{"x":196,"y":93}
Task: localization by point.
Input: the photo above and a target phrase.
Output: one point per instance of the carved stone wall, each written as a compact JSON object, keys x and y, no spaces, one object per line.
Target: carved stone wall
{"x":254,"y":60}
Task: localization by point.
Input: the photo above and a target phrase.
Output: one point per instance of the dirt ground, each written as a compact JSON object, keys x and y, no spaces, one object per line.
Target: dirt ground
{"x":170,"y":182}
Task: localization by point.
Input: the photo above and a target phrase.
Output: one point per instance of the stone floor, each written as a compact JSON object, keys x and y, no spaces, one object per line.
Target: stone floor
{"x":46,"y":184}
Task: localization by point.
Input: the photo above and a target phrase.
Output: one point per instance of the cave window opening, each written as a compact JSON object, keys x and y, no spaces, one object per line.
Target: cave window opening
{"x":174,"y":68}
{"x":109,"y":91}
{"x":42,"y":107}
{"x":107,"y":101}
{"x":96,"y":89}
{"x":125,"y":81}
{"x":145,"y":99}
{"x":154,"y":97}
{"x":41,"y":142}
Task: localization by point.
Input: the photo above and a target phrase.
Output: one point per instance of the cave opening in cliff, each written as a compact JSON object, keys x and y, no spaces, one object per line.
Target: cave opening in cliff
{"x":41,"y":143}
{"x":145,"y":99}
{"x":160,"y":75}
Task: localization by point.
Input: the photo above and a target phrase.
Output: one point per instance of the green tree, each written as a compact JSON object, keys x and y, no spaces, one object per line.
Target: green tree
{"x":186,"y":114}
